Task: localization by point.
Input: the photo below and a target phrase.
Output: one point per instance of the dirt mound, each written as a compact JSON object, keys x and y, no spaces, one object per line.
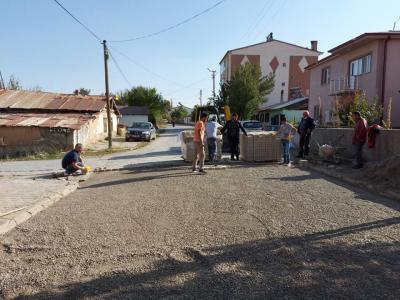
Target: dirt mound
{"x":384,"y":172}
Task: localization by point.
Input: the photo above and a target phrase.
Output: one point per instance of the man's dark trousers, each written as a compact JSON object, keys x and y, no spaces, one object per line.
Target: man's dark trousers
{"x":304,"y":144}
{"x":358,"y":148}
{"x":234,"y":145}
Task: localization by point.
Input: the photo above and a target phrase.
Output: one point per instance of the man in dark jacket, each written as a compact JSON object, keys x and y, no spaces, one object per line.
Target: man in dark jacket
{"x":305,"y":128}
{"x":233,"y":128}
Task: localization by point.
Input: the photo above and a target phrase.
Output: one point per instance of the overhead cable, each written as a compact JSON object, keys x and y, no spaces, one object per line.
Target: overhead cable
{"x":145,"y":36}
{"x":77,"y":20}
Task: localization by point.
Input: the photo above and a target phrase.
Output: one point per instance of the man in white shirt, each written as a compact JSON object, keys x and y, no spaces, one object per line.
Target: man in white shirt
{"x":211,"y":132}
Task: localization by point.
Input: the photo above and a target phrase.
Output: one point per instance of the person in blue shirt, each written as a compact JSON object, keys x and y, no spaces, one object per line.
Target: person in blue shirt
{"x":72,"y":160}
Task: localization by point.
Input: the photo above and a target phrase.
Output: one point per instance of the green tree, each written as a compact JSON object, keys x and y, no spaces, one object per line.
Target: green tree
{"x":142,"y":96}
{"x":372,"y":112}
{"x":13,"y":83}
{"x":179,"y":113}
{"x":248,"y":90}
{"x":82,"y":91}
{"x":222,"y":98}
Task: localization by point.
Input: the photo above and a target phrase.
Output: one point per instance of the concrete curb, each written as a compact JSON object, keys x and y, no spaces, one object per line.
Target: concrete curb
{"x":354,"y":182}
{"x":10,"y":221}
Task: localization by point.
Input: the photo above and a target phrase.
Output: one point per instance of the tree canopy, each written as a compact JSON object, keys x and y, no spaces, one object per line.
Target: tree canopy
{"x":247,"y":90}
{"x":179,"y":112}
{"x":143,"y":96}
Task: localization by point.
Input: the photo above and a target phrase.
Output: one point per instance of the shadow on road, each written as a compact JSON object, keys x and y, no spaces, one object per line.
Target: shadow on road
{"x":318,"y":266}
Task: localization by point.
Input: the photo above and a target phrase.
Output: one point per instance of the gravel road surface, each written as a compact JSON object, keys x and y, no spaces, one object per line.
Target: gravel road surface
{"x":250,"y":231}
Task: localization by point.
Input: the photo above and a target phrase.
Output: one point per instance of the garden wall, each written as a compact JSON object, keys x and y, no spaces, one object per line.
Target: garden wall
{"x":387,"y":142}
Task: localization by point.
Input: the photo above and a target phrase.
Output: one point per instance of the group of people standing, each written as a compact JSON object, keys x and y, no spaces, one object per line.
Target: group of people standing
{"x":208,"y":130}
{"x":287,"y":131}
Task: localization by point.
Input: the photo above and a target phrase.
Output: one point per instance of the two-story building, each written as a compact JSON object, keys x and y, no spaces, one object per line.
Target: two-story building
{"x":369,"y":63}
{"x":287,"y":61}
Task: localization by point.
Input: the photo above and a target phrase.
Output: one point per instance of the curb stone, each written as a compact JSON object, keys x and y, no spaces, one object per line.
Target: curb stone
{"x":354,"y":182}
{"x":12,"y":220}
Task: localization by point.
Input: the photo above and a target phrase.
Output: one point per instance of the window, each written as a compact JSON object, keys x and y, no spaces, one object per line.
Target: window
{"x":326,"y":75}
{"x":284,"y":65}
{"x":282,"y":92}
{"x":283,"y":83}
{"x":361,"y":65}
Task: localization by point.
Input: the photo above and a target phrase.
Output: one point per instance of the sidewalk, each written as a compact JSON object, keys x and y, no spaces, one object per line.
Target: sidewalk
{"x":27,"y":187}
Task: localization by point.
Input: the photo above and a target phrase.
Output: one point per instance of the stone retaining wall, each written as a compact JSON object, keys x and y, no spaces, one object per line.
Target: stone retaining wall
{"x":387,"y":142}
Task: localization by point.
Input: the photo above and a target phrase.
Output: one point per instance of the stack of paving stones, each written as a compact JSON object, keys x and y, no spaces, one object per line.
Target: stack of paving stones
{"x":260,"y":147}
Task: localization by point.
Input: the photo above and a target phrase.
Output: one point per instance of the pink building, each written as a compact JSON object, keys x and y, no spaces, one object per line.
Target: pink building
{"x":369,"y":63}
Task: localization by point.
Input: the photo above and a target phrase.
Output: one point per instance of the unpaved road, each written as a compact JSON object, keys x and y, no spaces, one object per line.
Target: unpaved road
{"x":243,"y":232}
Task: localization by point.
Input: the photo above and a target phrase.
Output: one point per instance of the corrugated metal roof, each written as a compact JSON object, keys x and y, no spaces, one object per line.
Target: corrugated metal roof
{"x":67,"y":120}
{"x":11,"y":99}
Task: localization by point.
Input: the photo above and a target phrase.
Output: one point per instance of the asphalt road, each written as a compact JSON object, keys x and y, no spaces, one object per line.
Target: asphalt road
{"x":249,"y":231}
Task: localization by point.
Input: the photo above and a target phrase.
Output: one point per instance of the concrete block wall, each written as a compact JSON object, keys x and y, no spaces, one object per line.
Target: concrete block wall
{"x":387,"y":142}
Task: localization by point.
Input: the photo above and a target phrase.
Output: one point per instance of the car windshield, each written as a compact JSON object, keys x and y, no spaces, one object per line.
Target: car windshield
{"x":141,"y":125}
{"x":252,"y":125}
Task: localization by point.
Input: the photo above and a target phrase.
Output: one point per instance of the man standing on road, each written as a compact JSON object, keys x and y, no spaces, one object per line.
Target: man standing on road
{"x":72,"y":160}
{"x":198,"y":140}
{"x":359,"y":137}
{"x":211,"y":133}
{"x":234,"y":126}
{"x":306,"y":126}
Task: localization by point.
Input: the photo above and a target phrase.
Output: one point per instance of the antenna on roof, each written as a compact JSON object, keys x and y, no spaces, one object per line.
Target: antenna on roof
{"x":394,"y":24}
{"x":270,"y":37}
{"x":2,"y":86}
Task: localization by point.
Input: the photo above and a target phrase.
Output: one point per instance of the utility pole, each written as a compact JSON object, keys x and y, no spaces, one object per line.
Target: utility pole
{"x":213,"y":79}
{"x":109,"y":125}
{"x":201,"y":97}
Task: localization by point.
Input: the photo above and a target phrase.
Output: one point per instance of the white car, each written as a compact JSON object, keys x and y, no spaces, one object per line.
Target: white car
{"x":252,"y":125}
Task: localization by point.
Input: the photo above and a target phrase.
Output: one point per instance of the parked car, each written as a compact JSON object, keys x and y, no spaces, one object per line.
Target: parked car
{"x":252,"y":125}
{"x":141,"y":131}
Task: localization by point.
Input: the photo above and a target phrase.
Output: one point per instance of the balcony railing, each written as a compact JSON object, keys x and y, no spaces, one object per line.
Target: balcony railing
{"x":343,"y":85}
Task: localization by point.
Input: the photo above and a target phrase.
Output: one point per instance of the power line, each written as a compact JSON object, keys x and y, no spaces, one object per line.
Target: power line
{"x":120,"y":70}
{"x":170,"y":27}
{"x":77,"y":20}
{"x":274,"y":15}
{"x":263,"y":12}
{"x":145,"y":68}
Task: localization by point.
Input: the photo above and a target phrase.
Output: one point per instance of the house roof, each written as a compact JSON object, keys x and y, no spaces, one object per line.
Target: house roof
{"x":356,"y":42}
{"x":265,"y":42}
{"x":25,"y":100}
{"x":47,"y":120}
{"x":134,"y":110}
{"x":296,"y":103}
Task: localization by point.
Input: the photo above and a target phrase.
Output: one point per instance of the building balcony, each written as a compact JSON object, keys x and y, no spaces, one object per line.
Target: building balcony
{"x":342,"y":86}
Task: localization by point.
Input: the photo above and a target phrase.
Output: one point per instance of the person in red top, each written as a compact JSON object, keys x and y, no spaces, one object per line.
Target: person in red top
{"x":198,"y":140}
{"x":359,"y":137}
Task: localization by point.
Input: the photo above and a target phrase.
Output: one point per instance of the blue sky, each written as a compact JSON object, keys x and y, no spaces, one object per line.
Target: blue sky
{"x":42,"y":46}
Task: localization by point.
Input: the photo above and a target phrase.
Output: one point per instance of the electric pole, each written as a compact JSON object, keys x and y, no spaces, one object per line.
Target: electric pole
{"x":201,"y":97}
{"x":109,"y":123}
{"x":213,"y":79}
